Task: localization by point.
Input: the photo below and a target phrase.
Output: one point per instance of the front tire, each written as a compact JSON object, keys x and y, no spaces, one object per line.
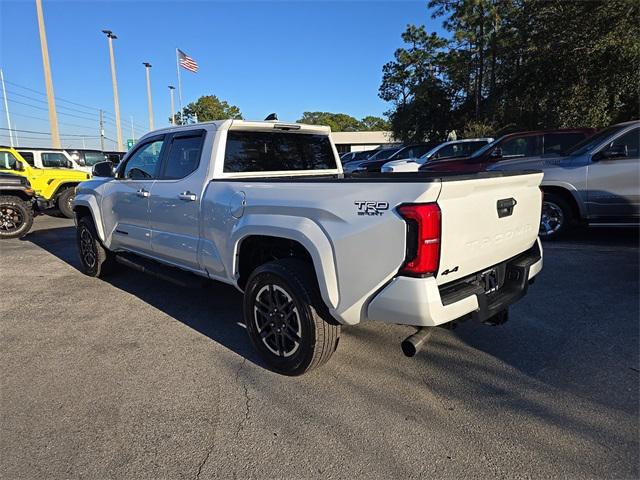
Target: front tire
{"x":64,"y":202}
{"x":286,"y":319}
{"x":96,"y":261}
{"x":16,"y":217}
{"x":556,"y":218}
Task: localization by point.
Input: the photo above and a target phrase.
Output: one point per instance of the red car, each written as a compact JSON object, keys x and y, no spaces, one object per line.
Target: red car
{"x":513,"y":145}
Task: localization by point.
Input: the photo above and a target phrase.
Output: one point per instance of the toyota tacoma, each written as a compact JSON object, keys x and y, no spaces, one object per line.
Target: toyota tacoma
{"x":265,"y":206}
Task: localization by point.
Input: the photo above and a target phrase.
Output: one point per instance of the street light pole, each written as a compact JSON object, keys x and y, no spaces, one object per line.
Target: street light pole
{"x":147,"y":67}
{"x":53,"y":117}
{"x":173,"y":115}
{"x":116,"y":101}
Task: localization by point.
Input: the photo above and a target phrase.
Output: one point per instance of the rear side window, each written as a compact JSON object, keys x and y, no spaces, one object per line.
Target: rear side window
{"x":277,"y":151}
{"x":561,"y":142}
{"x":184,"y":157}
{"x":53,"y":160}
{"x":28,"y":157}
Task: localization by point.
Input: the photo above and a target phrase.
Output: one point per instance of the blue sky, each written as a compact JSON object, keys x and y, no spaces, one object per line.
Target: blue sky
{"x":284,"y":57}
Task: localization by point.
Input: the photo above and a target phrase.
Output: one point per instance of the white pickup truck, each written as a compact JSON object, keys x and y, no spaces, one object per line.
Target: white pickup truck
{"x":264,"y":206}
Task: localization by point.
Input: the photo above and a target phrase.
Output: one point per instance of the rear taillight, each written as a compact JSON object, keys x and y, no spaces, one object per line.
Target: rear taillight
{"x":423,"y":239}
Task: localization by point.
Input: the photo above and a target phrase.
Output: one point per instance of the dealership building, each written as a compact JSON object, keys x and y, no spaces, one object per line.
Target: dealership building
{"x":359,"y":141}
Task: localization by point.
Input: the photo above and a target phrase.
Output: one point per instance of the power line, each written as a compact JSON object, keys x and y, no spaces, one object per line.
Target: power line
{"x":93,"y":109}
{"x":44,"y":101}
{"x":46,"y":120}
{"x":49,"y":133}
{"x":60,"y":113}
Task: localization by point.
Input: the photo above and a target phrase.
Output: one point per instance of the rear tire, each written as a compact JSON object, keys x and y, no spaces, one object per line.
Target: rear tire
{"x":287,"y":321}
{"x":557,"y":217}
{"x":16,"y":217}
{"x":64,"y":202}
{"x":96,"y":261}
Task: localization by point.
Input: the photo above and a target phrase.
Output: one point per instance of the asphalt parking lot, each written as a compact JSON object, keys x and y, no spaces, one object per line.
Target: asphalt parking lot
{"x":134,"y":377}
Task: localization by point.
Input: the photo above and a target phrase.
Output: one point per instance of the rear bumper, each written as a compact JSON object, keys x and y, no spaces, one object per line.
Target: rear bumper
{"x":421,"y":302}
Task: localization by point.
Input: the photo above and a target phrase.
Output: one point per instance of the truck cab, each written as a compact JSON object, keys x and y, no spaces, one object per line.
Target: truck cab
{"x":50,"y":158}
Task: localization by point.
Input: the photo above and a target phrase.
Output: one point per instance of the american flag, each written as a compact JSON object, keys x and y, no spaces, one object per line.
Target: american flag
{"x":187,"y":62}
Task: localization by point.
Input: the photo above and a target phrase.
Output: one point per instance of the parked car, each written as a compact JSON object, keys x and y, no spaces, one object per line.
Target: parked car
{"x":597,"y":182}
{"x":357,"y":159}
{"x":262,"y":206}
{"x":49,"y":158}
{"x":448,"y":150}
{"x":16,"y":203}
{"x":87,"y":158}
{"x":513,"y":145}
{"x":373,"y":164}
{"x":54,"y":187}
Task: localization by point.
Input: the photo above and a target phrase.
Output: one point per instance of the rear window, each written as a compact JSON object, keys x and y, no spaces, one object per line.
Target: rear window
{"x":277,"y":151}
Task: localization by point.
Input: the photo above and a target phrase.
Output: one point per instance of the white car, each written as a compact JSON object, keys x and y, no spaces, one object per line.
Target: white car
{"x":454,"y":148}
{"x":49,"y":158}
{"x":264,"y":207}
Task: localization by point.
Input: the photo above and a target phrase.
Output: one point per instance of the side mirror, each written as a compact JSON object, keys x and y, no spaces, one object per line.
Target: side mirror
{"x":497,"y":153}
{"x":612,"y":151}
{"x":103,"y":169}
{"x":68,"y":164}
{"x":18,"y":167}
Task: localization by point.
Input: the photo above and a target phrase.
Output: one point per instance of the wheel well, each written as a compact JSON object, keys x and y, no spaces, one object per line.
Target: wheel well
{"x":82,"y":211}
{"x":16,"y":193}
{"x":566,"y":195}
{"x":63,"y":187}
{"x":257,"y":250}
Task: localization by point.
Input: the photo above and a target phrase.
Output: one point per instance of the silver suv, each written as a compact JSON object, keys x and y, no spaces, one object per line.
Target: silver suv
{"x":597,"y":182}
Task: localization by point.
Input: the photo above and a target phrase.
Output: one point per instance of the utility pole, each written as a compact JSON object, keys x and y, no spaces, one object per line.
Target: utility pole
{"x":101,"y":131}
{"x":53,"y":117}
{"x":173,"y":115}
{"x":6,"y":108}
{"x":15,"y":133}
{"x":116,"y":101}
{"x":133,"y":131}
{"x":147,"y":67}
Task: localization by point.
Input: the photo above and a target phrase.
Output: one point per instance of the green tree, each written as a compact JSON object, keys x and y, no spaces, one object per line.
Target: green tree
{"x":339,"y":122}
{"x":206,"y":108}
{"x":372,"y":123}
{"x":516,"y":63}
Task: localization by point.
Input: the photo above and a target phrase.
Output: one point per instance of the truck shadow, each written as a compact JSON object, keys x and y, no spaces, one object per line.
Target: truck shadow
{"x":215,"y":310}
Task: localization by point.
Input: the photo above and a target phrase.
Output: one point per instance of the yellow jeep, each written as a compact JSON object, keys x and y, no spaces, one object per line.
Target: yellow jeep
{"x":54,"y":187}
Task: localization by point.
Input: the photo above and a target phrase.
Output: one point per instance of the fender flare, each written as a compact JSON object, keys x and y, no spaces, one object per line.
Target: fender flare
{"x":572,"y":191}
{"x":302,"y":230}
{"x":90,"y":202}
{"x":63,"y":185}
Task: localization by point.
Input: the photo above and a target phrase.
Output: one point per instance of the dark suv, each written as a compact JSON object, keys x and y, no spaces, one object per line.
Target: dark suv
{"x":511,"y":146}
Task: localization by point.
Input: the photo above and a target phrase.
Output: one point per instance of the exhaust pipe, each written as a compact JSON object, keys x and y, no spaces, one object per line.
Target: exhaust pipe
{"x":414,"y":343}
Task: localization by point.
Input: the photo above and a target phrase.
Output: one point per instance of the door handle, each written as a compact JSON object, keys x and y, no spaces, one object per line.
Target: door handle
{"x":187,"y":196}
{"x":142,"y":193}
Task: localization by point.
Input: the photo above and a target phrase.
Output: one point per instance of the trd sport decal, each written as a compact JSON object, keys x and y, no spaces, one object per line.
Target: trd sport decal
{"x":370,"y":207}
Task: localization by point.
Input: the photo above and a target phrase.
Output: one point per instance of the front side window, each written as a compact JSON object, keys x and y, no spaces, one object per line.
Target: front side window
{"x":631,"y":140}
{"x":276,"y":151}
{"x":144,"y":163}
{"x":522,"y":146}
{"x":53,"y":160}
{"x":183,"y":157}
{"x":7,"y":161}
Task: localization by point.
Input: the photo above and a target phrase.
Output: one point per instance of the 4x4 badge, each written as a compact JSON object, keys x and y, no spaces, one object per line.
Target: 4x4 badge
{"x":371,"y":207}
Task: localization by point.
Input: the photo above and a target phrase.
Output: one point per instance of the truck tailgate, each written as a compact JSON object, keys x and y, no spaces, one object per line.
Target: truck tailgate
{"x":475,"y":234}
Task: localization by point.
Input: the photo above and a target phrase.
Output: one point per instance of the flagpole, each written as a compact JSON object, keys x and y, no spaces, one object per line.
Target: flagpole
{"x":179,"y":84}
